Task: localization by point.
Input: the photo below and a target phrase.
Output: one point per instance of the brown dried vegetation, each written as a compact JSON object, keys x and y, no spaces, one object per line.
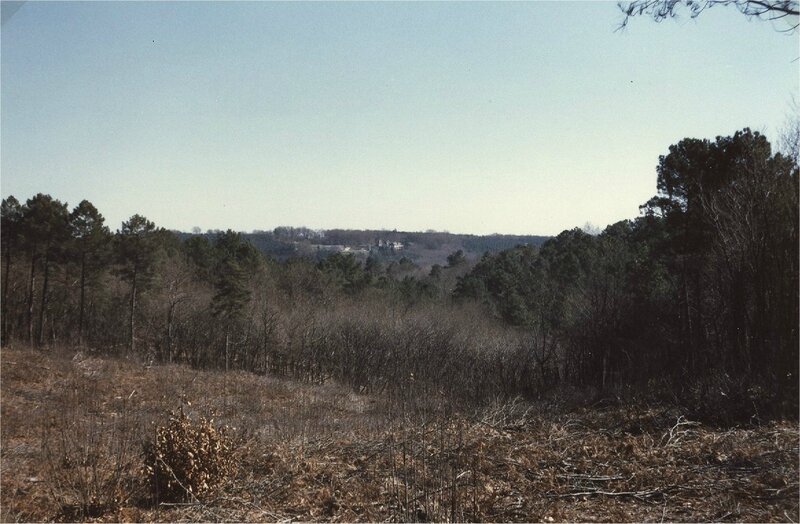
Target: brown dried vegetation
{"x":74,"y":427}
{"x":187,"y":459}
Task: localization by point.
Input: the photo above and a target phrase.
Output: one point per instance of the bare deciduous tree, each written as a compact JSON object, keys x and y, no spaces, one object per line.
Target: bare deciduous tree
{"x":768,"y":10}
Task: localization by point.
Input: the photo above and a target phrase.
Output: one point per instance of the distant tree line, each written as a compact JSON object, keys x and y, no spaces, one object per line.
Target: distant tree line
{"x":285,"y":242}
{"x":703,"y":286}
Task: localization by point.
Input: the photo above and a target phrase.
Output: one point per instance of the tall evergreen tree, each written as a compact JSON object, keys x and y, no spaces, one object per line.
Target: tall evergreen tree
{"x":91,"y":239}
{"x":11,"y":212}
{"x":136,"y":255}
{"x":236,"y":260}
{"x":45,"y":227}
{"x":231,"y":295}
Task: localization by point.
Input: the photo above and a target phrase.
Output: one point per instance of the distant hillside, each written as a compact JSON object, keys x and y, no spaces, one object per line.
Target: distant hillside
{"x":424,"y":248}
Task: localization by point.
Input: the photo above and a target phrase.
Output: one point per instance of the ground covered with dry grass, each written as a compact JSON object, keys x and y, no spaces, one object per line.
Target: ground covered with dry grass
{"x":75,"y":428}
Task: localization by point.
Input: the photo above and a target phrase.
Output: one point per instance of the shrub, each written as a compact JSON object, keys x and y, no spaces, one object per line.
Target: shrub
{"x":188,"y":459}
{"x":89,"y":459}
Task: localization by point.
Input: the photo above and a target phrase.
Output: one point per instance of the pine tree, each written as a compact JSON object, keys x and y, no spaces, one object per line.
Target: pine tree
{"x":44,"y":225}
{"x":11,"y":212}
{"x":136,"y":255}
{"x":90,"y":238}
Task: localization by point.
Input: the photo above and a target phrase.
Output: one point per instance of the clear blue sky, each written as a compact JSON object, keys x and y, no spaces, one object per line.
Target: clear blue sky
{"x":467,"y":117}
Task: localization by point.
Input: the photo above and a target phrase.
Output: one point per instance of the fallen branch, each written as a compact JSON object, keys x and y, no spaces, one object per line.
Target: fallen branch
{"x":579,"y":476}
{"x":676,"y":433}
{"x":641,"y":495}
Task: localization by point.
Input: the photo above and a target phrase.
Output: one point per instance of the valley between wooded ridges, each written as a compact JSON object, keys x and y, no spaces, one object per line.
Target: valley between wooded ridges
{"x":673,"y":335}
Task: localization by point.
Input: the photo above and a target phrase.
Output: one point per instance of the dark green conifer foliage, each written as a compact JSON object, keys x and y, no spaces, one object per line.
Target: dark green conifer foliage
{"x":136,"y":257}
{"x":11,"y":212}
{"x":236,"y":262}
{"x":456,"y":258}
{"x":45,"y":226}
{"x":91,"y":240}
{"x":231,"y":295}
{"x":345,"y":271}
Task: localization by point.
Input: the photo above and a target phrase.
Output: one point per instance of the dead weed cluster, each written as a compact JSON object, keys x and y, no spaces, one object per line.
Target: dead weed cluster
{"x":187,"y":459}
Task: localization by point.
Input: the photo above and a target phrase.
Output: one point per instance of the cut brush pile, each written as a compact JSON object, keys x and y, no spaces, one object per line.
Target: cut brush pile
{"x":578,"y":467}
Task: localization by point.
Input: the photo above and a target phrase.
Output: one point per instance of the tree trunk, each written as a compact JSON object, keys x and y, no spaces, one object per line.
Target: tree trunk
{"x":687,"y":323}
{"x":227,"y":345}
{"x":43,"y":307}
{"x":31,"y":285}
{"x":83,"y":294}
{"x":170,"y":317}
{"x":132,"y":345}
{"x":5,"y":295}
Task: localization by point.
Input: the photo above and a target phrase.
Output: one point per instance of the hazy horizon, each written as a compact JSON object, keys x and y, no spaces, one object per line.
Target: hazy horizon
{"x":520,"y":118}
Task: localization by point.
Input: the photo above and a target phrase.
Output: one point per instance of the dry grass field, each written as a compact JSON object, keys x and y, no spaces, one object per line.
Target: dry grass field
{"x":74,"y":428}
